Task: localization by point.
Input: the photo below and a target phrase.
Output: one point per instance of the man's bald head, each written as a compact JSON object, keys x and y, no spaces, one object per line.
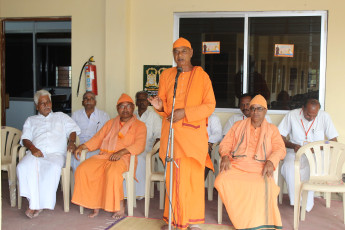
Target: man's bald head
{"x":310,"y":109}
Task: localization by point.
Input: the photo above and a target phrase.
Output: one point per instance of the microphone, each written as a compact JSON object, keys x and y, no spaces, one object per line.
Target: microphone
{"x":179,"y":70}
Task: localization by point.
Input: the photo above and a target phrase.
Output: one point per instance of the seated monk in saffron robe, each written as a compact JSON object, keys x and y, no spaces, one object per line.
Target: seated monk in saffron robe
{"x":250,"y":152}
{"x":98,"y":180}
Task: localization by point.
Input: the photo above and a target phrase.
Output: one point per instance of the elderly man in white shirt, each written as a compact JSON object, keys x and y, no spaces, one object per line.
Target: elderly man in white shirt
{"x":303,"y":126}
{"x":153,"y":124}
{"x":244,"y":107}
{"x":90,"y":120}
{"x":214,"y":130}
{"x":45,"y":136}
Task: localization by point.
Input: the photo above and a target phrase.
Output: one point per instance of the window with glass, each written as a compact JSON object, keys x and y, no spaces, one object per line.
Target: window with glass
{"x":280,"y":55}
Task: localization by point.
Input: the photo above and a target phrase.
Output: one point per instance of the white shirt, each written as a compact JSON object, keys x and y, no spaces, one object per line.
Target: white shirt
{"x":237,"y":117}
{"x":49,"y":134}
{"x":321,"y":128}
{"x":153,"y":124}
{"x":214,"y":129}
{"x":89,"y":126}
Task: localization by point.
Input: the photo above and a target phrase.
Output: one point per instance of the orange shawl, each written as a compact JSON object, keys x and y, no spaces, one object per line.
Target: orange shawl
{"x":116,"y":132}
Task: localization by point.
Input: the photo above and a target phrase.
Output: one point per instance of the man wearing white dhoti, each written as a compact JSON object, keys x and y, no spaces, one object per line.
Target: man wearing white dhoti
{"x":90,"y":120}
{"x":153,"y":127}
{"x":45,"y":136}
{"x":303,"y":126}
{"x":244,"y":107}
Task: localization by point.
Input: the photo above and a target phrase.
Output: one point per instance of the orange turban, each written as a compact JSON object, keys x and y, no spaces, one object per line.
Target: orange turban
{"x":182,"y":42}
{"x":125,"y":98}
{"x":259,"y":100}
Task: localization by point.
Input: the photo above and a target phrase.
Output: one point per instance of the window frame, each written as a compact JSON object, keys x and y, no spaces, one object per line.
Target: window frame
{"x":246,"y":16}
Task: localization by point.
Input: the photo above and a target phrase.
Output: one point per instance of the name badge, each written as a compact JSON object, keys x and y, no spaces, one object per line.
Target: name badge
{"x":305,"y":142}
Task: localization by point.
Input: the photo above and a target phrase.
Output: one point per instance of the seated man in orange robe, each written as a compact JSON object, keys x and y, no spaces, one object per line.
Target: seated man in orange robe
{"x":250,"y":152}
{"x":195,"y":102}
{"x":98,"y":180}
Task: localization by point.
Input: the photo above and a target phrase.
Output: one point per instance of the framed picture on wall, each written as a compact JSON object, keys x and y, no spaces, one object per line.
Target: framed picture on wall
{"x":211,"y":47}
{"x":151,"y":78}
{"x":284,"y":50}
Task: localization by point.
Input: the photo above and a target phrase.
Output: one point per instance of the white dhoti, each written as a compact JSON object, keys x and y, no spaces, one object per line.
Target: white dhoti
{"x":288,"y":172}
{"x":39,"y":179}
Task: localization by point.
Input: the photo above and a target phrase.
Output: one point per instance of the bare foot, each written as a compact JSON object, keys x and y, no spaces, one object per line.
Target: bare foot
{"x":165,"y":227}
{"x":118,"y":215}
{"x":94,"y":213}
{"x":37,"y":212}
{"x":194,"y":227}
{"x":29,"y":213}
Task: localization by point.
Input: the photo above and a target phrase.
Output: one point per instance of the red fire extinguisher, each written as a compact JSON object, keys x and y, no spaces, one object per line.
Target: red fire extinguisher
{"x":90,"y":76}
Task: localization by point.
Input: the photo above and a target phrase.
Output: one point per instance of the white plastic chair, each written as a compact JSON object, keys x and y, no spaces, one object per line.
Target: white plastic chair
{"x":326,"y":161}
{"x":65,"y":180}
{"x":151,"y":177}
{"x":129,"y":177}
{"x":220,"y":203}
{"x":10,"y":138}
{"x":215,"y":158}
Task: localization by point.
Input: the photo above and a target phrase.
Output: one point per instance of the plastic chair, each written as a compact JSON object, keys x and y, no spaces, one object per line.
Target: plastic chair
{"x":282,"y":184}
{"x":326,"y":161}
{"x":212,"y":175}
{"x":65,"y":180}
{"x":10,"y":138}
{"x":130,"y":187}
{"x":220,"y":203}
{"x":152,"y":176}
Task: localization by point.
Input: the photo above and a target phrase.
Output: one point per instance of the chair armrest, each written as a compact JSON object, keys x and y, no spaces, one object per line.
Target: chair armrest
{"x":83,"y":155}
{"x":22,"y":151}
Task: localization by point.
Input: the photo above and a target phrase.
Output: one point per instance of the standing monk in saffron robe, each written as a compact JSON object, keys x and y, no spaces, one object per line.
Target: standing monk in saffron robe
{"x":98,"y":180}
{"x":195,"y":102}
{"x":250,"y":152}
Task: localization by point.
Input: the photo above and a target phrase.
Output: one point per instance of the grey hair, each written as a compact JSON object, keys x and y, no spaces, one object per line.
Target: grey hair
{"x":41,"y":93}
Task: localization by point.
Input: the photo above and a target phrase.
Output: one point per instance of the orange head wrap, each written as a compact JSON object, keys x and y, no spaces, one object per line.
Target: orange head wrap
{"x":259,"y":100}
{"x":182,"y":42}
{"x":125,"y":98}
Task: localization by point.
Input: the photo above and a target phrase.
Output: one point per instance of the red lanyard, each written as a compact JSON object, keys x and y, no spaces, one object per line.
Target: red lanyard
{"x":306,"y":132}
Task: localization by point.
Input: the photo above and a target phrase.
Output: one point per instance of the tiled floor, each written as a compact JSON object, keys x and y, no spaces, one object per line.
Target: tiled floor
{"x":12,"y":218}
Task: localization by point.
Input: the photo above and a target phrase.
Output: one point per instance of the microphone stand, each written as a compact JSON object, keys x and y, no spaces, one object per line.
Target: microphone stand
{"x":169,"y":159}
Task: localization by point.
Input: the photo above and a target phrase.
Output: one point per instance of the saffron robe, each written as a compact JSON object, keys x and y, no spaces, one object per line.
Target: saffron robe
{"x":98,"y":181}
{"x":195,"y":95}
{"x":251,"y":199}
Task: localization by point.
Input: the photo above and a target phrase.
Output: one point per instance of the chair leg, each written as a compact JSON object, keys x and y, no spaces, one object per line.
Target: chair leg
{"x":19,"y":197}
{"x":210,"y":185}
{"x":304,"y":204}
{"x":129,"y":186}
{"x":12,"y":185}
{"x":161,"y":194}
{"x":65,"y":188}
{"x":152,"y":191}
{"x":134,"y":196}
{"x":296,"y":211}
{"x":147,"y":196}
{"x":281,"y":186}
{"x":220,"y":210}
{"x":344,"y":206}
{"x":81,"y":210}
{"x":328,"y":199}
{"x":72,"y":182}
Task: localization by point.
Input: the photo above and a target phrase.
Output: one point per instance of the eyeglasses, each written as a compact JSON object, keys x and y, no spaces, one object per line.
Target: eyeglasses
{"x":259,"y":109}
{"x":87,"y":99}
{"x":127,"y":106}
